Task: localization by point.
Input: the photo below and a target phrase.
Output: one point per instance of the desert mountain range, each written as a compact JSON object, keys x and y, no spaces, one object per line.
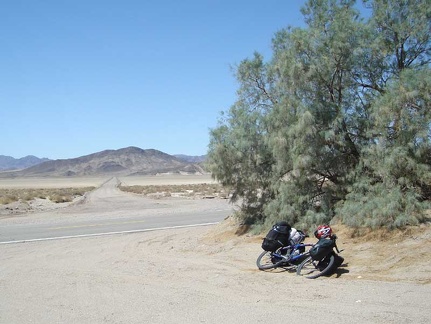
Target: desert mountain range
{"x":124,"y":162}
{"x":10,"y":163}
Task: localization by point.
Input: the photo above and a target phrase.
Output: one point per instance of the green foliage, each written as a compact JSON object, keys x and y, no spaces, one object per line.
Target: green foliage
{"x":380,"y":204}
{"x":239,"y":156}
{"x":392,"y":185}
{"x":337,"y":123}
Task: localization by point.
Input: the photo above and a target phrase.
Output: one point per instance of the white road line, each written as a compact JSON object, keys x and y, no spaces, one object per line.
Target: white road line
{"x":108,"y":233}
{"x":95,"y":225}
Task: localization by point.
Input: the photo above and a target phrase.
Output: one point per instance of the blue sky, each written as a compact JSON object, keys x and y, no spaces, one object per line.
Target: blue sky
{"x":79,"y":77}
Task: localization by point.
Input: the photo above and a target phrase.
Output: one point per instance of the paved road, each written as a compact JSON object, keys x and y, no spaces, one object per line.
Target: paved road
{"x":108,"y":210}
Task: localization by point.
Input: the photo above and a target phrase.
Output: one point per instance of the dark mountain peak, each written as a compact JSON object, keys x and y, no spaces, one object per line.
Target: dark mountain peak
{"x":131,"y":150}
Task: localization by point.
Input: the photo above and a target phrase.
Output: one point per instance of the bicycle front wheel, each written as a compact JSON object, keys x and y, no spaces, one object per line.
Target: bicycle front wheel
{"x":267,"y":261}
{"x":313,"y":269}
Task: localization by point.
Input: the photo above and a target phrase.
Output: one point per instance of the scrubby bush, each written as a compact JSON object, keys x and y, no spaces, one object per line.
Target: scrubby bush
{"x":57,"y":195}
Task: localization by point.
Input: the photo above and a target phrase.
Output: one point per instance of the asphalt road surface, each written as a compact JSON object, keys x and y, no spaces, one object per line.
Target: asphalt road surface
{"x":107,"y":210}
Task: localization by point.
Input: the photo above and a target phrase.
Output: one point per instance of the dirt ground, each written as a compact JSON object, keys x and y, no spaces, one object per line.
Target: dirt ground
{"x":208,"y":275}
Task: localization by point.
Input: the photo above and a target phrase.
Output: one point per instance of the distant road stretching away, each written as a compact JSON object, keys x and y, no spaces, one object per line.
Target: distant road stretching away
{"x":107,"y":211}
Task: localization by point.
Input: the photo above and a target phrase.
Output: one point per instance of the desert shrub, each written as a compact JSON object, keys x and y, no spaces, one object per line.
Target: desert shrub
{"x":60,"y":198}
{"x":56,"y":195}
{"x":7,"y":199}
{"x":190,"y":190}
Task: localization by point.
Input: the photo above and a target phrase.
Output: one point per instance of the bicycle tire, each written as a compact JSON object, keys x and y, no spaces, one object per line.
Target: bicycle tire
{"x":265,"y":261}
{"x":311,"y":270}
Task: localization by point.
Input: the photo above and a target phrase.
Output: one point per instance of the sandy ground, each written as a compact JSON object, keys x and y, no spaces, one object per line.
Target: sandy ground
{"x":208,"y":275}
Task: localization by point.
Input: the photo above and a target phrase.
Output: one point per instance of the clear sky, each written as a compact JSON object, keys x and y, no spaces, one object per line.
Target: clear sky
{"x":82,"y":76}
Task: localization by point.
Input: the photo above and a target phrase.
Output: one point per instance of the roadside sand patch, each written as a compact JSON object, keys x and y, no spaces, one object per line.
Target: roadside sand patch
{"x":190,"y":275}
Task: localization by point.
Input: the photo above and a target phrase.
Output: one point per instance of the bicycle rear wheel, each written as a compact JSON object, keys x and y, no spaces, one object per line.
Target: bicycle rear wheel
{"x":313,"y":269}
{"x":267,"y":261}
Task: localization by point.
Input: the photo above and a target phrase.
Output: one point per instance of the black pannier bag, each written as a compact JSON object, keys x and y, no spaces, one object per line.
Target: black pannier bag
{"x":321,"y":249}
{"x":277,"y":237}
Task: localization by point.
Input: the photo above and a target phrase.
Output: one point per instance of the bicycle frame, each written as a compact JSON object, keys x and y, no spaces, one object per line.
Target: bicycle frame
{"x":290,"y":257}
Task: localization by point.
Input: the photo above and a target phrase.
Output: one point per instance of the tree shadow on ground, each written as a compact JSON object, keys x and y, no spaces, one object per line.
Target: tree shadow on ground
{"x":242,"y":229}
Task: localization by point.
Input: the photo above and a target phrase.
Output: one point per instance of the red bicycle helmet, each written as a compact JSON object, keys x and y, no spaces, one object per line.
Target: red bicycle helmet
{"x":323,"y":231}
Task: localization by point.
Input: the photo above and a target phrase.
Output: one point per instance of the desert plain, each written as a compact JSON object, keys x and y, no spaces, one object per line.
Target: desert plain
{"x":196,"y":274}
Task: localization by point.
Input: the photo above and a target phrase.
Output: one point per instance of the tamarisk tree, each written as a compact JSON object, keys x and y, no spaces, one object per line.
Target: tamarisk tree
{"x":239,"y":157}
{"x":337,"y":123}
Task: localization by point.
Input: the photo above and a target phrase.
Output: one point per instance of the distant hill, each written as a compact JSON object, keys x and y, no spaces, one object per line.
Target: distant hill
{"x":126,"y":161}
{"x":191,"y":159}
{"x":10,"y":163}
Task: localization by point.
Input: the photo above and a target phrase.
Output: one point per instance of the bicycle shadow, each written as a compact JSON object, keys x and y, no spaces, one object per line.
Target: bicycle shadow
{"x":342,"y":269}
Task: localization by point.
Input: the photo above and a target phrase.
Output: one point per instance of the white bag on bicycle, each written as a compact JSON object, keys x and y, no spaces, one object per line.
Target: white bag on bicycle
{"x":295,"y":236}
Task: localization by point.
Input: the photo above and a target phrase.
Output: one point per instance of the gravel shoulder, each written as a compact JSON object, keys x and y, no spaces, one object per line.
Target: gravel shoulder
{"x":207,"y":275}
